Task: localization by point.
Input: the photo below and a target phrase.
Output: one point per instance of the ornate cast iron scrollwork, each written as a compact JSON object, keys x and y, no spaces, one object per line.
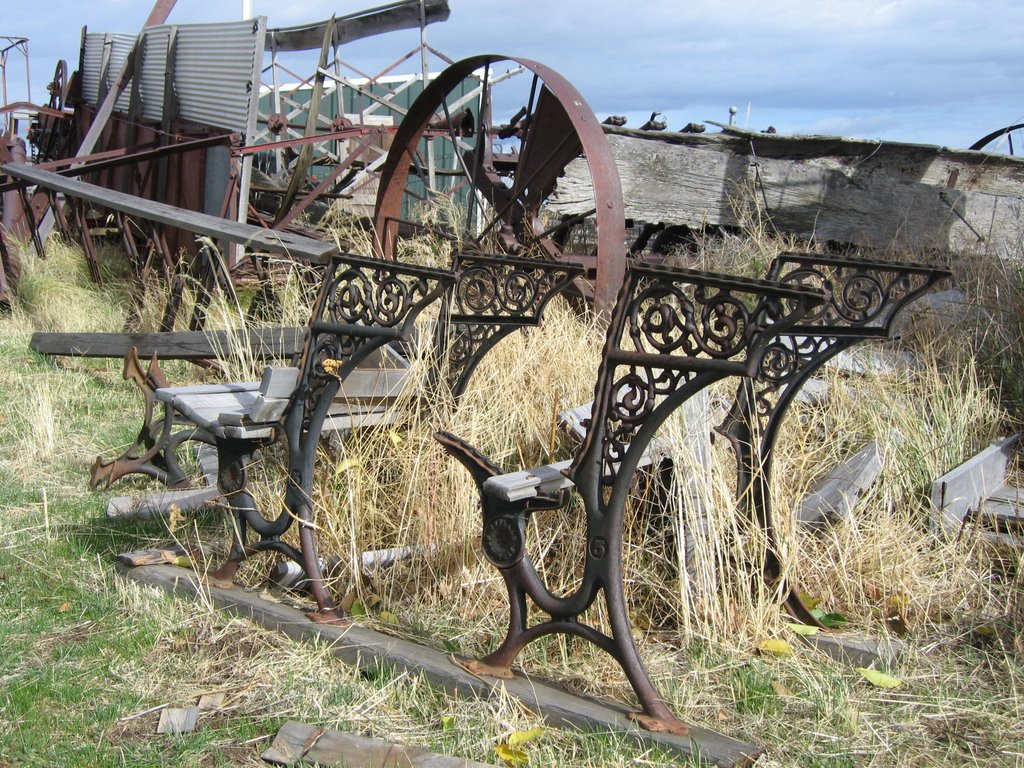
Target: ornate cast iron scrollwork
{"x":492,"y":297}
{"x":864,"y":299}
{"x":672,"y":333}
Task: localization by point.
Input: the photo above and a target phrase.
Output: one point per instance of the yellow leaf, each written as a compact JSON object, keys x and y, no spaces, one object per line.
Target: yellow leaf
{"x":387,"y":617}
{"x":346,"y":465}
{"x":64,"y":607}
{"x":810,"y":601}
{"x":521,"y":737}
{"x":511,"y":755}
{"x":775,"y":648}
{"x":447,"y":722}
{"x":879,"y":679}
{"x":804,"y":630}
{"x":183,"y":561}
{"x":396,"y":439}
{"x":781,"y":689}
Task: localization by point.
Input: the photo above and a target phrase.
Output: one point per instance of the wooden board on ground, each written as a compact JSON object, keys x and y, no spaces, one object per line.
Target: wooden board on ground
{"x":257,"y":343}
{"x":160,"y":503}
{"x":834,"y":497}
{"x":976,"y":491}
{"x":857,"y":651}
{"x":368,"y":649}
{"x":299,"y":743}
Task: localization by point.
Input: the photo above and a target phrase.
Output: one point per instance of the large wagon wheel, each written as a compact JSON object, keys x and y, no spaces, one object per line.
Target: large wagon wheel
{"x":499,"y":196}
{"x":58,"y":87}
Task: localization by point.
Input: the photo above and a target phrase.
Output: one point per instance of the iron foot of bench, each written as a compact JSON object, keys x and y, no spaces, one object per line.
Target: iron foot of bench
{"x":330,"y":616}
{"x":654,"y":724}
{"x":481,"y":668}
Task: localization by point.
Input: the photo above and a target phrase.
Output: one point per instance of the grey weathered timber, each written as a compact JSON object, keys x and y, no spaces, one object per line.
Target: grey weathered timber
{"x":161,"y":503}
{"x":368,"y":649}
{"x":857,"y":651}
{"x":835,"y":496}
{"x":299,"y":743}
{"x":866,"y":192}
{"x":259,"y":343}
{"x":355,"y":26}
{"x":256,"y":238}
{"x":976,"y":492}
{"x":175,"y":721}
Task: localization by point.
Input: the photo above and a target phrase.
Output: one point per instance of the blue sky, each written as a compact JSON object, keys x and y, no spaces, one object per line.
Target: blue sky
{"x":930,"y":71}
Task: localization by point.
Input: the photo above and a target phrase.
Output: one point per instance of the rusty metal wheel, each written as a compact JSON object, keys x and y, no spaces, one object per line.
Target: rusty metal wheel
{"x":58,"y":87}
{"x":490,"y":177}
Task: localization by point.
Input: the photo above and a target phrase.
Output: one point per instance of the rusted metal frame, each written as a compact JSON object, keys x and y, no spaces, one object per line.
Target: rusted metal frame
{"x":139,"y":267}
{"x":306,"y":153}
{"x":382,"y":100}
{"x":82,"y":221}
{"x":174,"y":274}
{"x":168,"y":115}
{"x":134,"y":110}
{"x":671,"y":334}
{"x":61,"y":219}
{"x":864,"y":299}
{"x":154,"y":450}
{"x":214,"y":276}
{"x":358,"y":151}
{"x":345,"y":133}
{"x":30,"y":220}
{"x":362,"y":305}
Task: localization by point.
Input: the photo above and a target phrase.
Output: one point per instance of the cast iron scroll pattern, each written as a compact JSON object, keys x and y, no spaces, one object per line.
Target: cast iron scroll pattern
{"x":677,"y":327}
{"x":674,"y":332}
{"x":492,"y":297}
{"x":864,"y":298}
{"x":362,"y":305}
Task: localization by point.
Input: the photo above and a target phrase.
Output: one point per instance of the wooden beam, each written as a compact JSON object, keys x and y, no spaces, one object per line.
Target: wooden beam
{"x":367,"y":649}
{"x":257,"y":238}
{"x":262,"y":343}
{"x":870,"y":193}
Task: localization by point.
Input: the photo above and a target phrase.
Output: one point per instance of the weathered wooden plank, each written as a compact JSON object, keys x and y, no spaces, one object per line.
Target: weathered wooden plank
{"x":871,"y":193}
{"x":259,"y":343}
{"x":297,"y":743}
{"x":257,"y":238}
{"x":176,"y":721}
{"x":834,"y":497}
{"x":159,"y":504}
{"x":356,"y":26}
{"x":857,"y":651}
{"x":368,"y":649}
{"x":962,"y":490}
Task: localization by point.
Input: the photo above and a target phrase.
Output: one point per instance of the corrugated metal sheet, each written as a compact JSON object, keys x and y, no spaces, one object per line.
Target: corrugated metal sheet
{"x":92,"y":64}
{"x":213,"y":72}
{"x":154,"y":65}
{"x":122,"y":46}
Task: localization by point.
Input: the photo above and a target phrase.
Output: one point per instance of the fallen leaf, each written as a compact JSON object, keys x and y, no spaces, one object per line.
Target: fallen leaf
{"x":396,"y":439}
{"x":387,"y":617}
{"x":774,"y":647}
{"x":357,"y":609}
{"x":781,"y":689}
{"x":521,"y":737}
{"x":511,"y":755}
{"x":879,"y":679}
{"x":183,"y":561}
{"x":805,"y":630}
{"x":809,"y":600}
{"x":64,"y":607}
{"x":345,"y":465}
{"x":447,"y":722}
{"x":722,"y":716}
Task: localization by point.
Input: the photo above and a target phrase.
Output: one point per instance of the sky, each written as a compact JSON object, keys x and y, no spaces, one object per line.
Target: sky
{"x":929,"y":71}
